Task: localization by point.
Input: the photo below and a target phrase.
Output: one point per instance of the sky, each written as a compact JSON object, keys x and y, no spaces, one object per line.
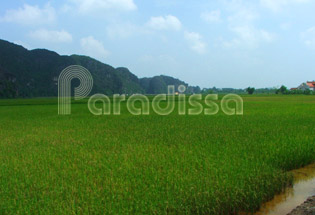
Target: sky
{"x":221,"y":43}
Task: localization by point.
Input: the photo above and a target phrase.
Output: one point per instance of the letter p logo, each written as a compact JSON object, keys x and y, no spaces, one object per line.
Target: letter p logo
{"x":64,"y":87}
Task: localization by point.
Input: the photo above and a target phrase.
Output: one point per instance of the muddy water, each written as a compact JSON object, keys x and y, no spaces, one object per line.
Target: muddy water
{"x":304,"y":187}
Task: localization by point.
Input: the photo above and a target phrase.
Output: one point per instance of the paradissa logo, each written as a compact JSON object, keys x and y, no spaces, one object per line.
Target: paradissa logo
{"x":168,"y":100}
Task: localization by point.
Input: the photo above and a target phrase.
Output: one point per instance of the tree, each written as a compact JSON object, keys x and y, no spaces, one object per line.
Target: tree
{"x":7,"y":89}
{"x":283,"y":90}
{"x":307,"y":92}
{"x":250,"y":90}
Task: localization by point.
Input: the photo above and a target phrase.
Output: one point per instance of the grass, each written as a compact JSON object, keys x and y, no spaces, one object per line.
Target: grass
{"x":85,"y":164}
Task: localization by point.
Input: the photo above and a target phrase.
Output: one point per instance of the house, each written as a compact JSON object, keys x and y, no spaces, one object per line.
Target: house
{"x":309,"y":85}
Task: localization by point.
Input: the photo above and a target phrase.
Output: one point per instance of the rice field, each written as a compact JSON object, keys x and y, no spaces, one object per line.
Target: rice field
{"x":86,"y":164}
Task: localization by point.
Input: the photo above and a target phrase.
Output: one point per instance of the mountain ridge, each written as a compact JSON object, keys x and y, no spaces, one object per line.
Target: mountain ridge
{"x":34,"y":73}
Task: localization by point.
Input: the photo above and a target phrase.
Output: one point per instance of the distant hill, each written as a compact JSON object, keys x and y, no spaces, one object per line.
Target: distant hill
{"x":34,"y":73}
{"x":158,"y":84}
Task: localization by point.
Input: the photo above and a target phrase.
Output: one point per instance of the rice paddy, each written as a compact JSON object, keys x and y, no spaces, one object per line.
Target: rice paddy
{"x":150,"y":164}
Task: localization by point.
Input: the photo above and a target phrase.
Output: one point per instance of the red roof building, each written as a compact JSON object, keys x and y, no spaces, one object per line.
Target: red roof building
{"x":311,"y":84}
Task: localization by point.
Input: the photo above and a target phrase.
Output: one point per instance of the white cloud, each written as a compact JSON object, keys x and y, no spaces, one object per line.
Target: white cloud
{"x":30,"y":15}
{"x":165,"y":23}
{"x":308,"y":37}
{"x":242,"y":24}
{"x":249,"y":37}
{"x":243,"y":16}
{"x":86,"y":6}
{"x":277,"y":5}
{"x":51,"y":36}
{"x":93,"y":48}
{"x":213,"y":16}
{"x":196,"y":42}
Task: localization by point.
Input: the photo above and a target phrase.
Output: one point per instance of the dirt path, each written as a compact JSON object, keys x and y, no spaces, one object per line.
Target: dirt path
{"x":307,"y":208}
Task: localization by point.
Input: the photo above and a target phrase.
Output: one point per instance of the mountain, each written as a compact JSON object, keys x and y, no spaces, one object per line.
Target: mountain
{"x":34,"y":73}
{"x":158,"y":84}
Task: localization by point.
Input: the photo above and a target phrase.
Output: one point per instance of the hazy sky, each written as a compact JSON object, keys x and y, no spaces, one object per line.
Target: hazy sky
{"x":260,"y":43}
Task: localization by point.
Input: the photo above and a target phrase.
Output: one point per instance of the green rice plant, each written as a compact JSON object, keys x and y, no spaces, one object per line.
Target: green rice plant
{"x":86,"y":164}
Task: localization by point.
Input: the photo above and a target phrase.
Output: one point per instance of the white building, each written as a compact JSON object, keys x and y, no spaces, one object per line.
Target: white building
{"x":309,"y":85}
